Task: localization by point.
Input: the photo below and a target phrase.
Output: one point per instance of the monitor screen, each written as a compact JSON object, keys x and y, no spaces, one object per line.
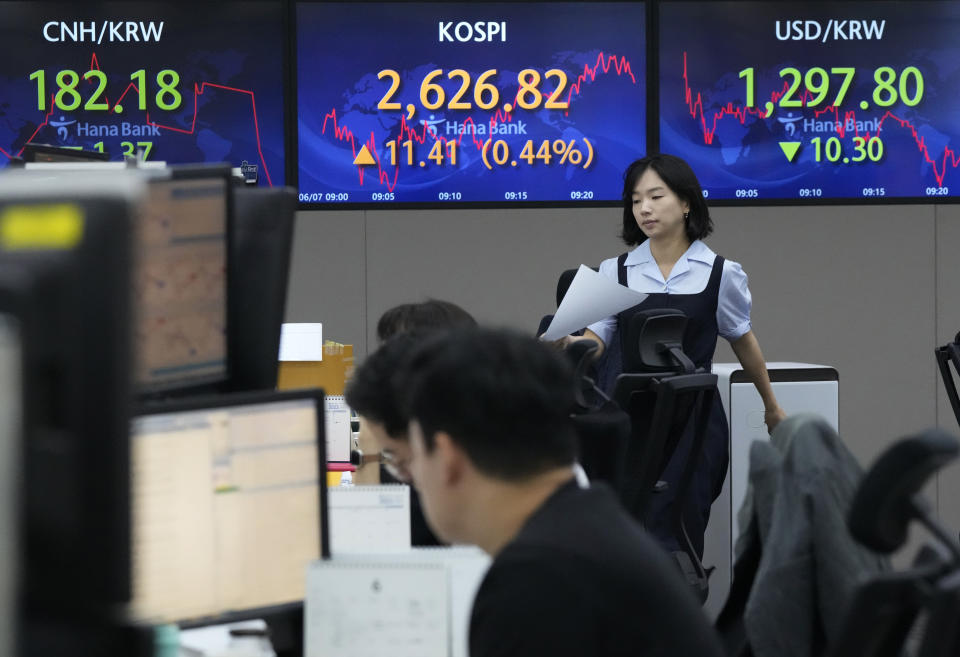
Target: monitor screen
{"x":227,"y":505}
{"x":179,"y":81}
{"x":65,"y":272}
{"x":11,"y":438}
{"x":181,"y":287}
{"x":468,"y":102}
{"x":812,"y":100}
{"x":262,"y":237}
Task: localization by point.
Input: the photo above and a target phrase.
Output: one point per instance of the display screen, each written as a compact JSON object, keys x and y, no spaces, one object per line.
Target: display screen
{"x":227,"y":508}
{"x":468,"y":102}
{"x":180,"y":82}
{"x":812,"y":100}
{"x":181,"y":292}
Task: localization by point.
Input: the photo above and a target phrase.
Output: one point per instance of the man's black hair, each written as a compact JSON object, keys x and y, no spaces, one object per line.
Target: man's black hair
{"x":681,"y":180}
{"x":424,"y":316}
{"x":371,"y":393}
{"x":504,"y":398}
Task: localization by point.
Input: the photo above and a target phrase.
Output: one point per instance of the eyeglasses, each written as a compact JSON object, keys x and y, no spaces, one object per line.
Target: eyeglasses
{"x":398,"y":467}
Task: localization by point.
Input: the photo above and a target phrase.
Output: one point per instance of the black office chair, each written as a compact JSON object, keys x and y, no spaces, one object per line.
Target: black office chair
{"x":942,"y":634}
{"x":885,"y":609}
{"x":563,"y":284}
{"x":603,"y":429}
{"x":663,"y":393}
{"x":950,"y":353}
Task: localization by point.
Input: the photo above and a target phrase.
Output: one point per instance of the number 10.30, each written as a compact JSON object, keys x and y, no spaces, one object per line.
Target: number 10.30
{"x":871,"y":149}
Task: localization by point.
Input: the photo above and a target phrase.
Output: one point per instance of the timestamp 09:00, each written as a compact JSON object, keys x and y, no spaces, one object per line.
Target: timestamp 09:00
{"x":324,"y":197}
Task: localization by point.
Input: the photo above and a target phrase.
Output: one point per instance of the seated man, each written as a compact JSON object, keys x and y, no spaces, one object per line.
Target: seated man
{"x":371,"y":395}
{"x":492,"y":449}
{"x":369,"y":392}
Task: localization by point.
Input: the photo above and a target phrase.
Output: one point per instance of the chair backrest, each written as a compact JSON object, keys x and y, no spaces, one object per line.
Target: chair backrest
{"x":661,"y":392}
{"x":885,"y":502}
{"x":661,"y":409}
{"x":950,"y":353}
{"x":885,"y":608}
{"x":881,"y":615}
{"x":563,"y":283}
{"x":942,"y":632}
{"x":603,"y":435}
{"x":665,"y":398}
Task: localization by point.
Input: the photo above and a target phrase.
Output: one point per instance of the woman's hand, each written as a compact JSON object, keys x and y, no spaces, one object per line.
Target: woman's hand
{"x":561,"y":343}
{"x":772,"y":417}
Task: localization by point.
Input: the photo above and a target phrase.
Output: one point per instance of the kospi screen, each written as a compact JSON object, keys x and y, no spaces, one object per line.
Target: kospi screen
{"x":179,"y":81}
{"x":468,"y":102}
{"x":813,"y":100}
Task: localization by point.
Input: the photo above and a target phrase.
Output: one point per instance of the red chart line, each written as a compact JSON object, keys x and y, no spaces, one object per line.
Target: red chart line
{"x":40,"y":127}
{"x":197,"y":91}
{"x":604,"y":63}
{"x":695,"y":107}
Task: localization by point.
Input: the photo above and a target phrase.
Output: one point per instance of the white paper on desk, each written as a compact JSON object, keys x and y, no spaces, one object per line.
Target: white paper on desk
{"x":368,"y":519}
{"x":376,"y":606}
{"x":301,"y":342}
{"x":465,"y":568}
{"x":591,"y":297}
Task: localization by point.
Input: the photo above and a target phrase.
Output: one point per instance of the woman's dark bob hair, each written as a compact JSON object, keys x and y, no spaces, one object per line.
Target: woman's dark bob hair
{"x":681,"y":180}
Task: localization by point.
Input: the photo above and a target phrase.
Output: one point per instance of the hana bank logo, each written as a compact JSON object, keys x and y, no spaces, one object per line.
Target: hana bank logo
{"x":61,"y":127}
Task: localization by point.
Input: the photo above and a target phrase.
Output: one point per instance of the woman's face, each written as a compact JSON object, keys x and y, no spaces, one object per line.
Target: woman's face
{"x":658,"y":211}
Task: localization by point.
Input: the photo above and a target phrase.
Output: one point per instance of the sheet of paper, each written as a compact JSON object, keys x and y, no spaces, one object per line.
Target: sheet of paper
{"x":465,"y":567}
{"x":591,"y":297}
{"x":303,"y":342}
{"x":369,"y":519}
{"x":375,"y":608}
{"x":337,"y":422}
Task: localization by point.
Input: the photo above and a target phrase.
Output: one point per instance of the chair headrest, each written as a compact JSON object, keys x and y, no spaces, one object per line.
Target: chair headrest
{"x":648,"y":332}
{"x":563,"y":284}
{"x":884,"y":503}
{"x":544,"y":324}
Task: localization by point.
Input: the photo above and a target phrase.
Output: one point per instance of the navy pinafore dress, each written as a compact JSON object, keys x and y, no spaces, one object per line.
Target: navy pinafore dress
{"x":699,"y":343}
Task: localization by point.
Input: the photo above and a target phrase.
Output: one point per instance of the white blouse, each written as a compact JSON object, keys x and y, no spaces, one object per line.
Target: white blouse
{"x":690,"y":275}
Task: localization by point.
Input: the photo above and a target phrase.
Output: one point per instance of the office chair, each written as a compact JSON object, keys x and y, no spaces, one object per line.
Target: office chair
{"x":887,"y":606}
{"x":603,"y":429}
{"x":563,"y":284}
{"x":950,"y":353}
{"x":942,"y":635}
{"x":663,"y":393}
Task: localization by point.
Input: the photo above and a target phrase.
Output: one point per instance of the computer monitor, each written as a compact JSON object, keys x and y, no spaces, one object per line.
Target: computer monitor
{"x":11,"y":439}
{"x":65,"y":261}
{"x":257,"y":283}
{"x":229,"y":502}
{"x":181,"y":325}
